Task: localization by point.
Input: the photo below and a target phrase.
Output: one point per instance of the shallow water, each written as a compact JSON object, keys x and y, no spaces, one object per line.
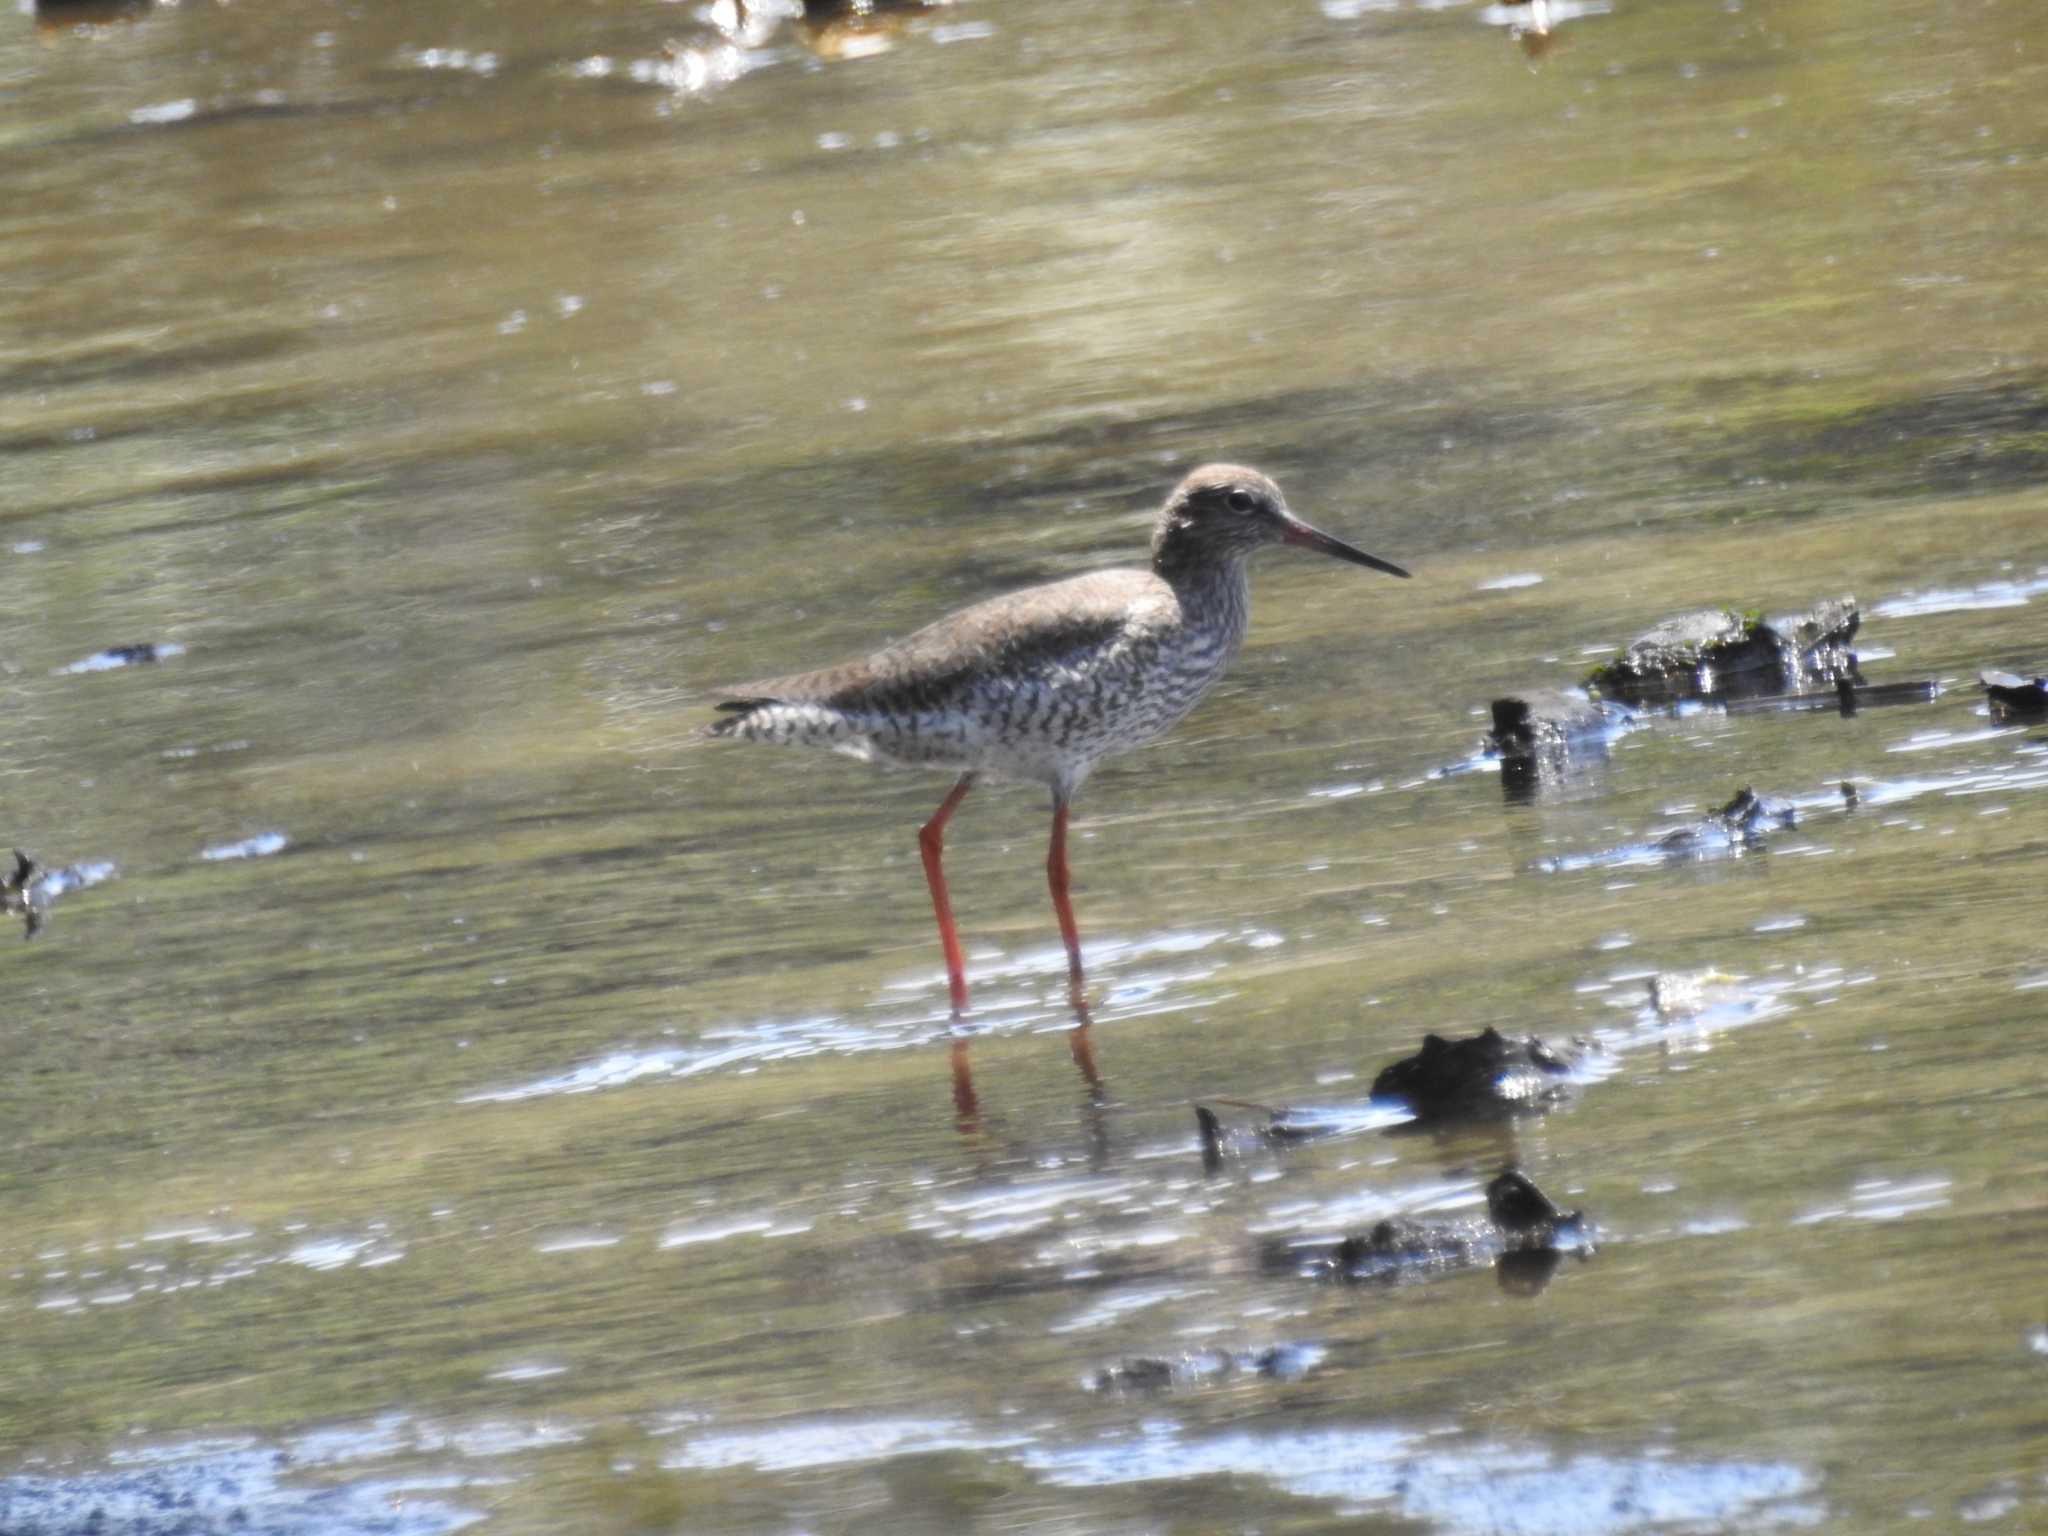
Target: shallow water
{"x":445,"y":1091}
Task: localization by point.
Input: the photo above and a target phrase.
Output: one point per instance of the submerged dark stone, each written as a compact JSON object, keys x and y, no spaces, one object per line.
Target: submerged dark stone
{"x":1743,"y":826}
{"x":1742,"y":822}
{"x":28,"y":890}
{"x":1524,"y":1212}
{"x":1158,"y":1373}
{"x":2015,"y":698}
{"x":16,"y":896}
{"x":1542,"y":724}
{"x":1211,"y":1131}
{"x":1482,"y":1076}
{"x":1277,"y":1130}
{"x":1717,"y":654}
{"x":1523,"y":1235}
{"x":1542,"y":737}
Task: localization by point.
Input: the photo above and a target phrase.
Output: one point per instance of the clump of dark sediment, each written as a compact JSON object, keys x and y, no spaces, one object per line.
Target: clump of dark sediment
{"x":1485,"y":1076}
{"x":1716,"y":654}
{"x":1744,"y":825}
{"x":15,"y":891}
{"x":1738,"y":826}
{"x":1523,"y":1234}
{"x":1165,"y":1373}
{"x":28,"y":889}
{"x":1281,"y":1127}
{"x":2012,"y":697}
{"x":1846,"y":698}
{"x":1546,"y":736}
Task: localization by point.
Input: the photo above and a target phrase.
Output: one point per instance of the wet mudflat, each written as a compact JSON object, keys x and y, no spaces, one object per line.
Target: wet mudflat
{"x":444,"y":1093}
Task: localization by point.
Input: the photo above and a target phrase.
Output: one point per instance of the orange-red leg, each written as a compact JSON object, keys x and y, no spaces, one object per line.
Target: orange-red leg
{"x":1057,"y":878}
{"x":931,"y":842}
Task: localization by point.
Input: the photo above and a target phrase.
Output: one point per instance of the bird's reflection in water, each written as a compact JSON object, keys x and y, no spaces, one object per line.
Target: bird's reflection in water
{"x":1080,"y":1045}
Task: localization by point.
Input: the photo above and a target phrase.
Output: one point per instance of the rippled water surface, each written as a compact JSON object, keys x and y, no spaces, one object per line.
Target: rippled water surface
{"x":445,"y":1092}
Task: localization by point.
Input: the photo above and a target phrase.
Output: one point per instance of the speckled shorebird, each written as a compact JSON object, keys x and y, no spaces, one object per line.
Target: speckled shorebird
{"x":1044,"y":683}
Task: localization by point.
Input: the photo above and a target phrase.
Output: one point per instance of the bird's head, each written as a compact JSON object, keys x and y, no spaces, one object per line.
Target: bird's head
{"x":1222,"y":512}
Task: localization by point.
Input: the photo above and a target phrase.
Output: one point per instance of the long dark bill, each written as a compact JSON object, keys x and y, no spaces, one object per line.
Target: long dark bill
{"x":1322,"y":543}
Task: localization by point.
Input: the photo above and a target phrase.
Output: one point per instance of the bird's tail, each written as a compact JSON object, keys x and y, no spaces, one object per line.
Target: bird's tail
{"x":737,"y":712}
{"x":789,"y":721}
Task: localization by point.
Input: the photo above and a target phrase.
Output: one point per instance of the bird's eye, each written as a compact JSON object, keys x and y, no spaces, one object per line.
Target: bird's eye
{"x":1240,"y":501}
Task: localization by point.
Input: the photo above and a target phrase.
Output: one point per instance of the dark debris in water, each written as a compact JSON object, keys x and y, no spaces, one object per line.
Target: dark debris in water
{"x":1485,"y":1076}
{"x":114,"y":657}
{"x":1846,"y":698}
{"x":1278,"y":1130}
{"x":1544,"y":737}
{"x":2015,"y":698}
{"x":1161,"y":1373}
{"x":1717,"y":654}
{"x":1739,"y":824}
{"x":14,"y":894}
{"x":1523,"y":1237}
{"x":1742,"y":826}
{"x":1285,"y":1126}
{"x":1712,"y":658}
{"x":27,"y":891}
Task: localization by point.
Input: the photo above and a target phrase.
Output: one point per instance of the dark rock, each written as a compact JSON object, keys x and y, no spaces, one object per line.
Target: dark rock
{"x":1155,"y":1373}
{"x":29,"y":890}
{"x":1400,"y":1248}
{"x":1211,"y":1131}
{"x":1483,"y":1076}
{"x":1543,"y":724}
{"x":1751,"y":812}
{"x":1737,"y":827}
{"x":1281,"y":1128}
{"x":1523,"y":1234}
{"x":16,"y":896}
{"x":1524,"y":1213}
{"x":2015,"y":698}
{"x":1740,"y":827}
{"x":1818,"y":641}
{"x":1716,"y":654}
{"x":1544,"y":736}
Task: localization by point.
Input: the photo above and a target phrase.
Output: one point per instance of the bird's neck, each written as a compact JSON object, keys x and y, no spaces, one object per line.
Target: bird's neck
{"x":1213,"y":591}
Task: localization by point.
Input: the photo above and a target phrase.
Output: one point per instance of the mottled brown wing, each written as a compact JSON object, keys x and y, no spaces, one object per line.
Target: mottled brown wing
{"x":1021,"y":631}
